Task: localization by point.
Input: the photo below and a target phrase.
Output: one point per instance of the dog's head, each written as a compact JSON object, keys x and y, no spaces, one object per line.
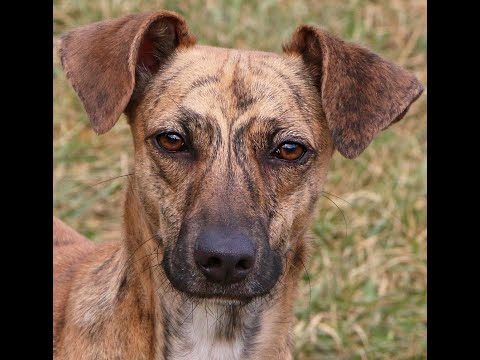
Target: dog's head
{"x":231,"y":147}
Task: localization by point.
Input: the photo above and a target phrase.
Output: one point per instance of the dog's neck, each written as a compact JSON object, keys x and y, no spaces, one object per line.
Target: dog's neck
{"x":203,"y":329}
{"x":208,"y":330}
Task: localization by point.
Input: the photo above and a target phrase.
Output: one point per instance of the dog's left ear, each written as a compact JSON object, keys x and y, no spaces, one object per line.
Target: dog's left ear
{"x":109,"y":62}
{"x":361,"y":93}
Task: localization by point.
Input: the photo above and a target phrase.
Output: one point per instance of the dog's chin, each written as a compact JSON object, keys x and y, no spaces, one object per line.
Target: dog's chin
{"x":225,"y":301}
{"x":219,"y":301}
{"x":227,"y":297}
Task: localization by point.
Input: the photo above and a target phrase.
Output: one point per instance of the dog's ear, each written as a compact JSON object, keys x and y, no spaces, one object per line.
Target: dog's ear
{"x":361,"y":93}
{"x":107,"y":62}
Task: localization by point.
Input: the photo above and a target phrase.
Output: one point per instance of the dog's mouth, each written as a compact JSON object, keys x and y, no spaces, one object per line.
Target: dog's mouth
{"x":225,"y":298}
{"x":220,"y":301}
{"x":228,"y":298}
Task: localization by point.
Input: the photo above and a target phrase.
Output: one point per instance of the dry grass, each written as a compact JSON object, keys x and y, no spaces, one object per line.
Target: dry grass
{"x":365,"y":293}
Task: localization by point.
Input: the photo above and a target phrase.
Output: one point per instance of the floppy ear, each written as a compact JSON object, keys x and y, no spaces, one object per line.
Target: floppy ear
{"x":361,"y":93}
{"x":104,"y":61}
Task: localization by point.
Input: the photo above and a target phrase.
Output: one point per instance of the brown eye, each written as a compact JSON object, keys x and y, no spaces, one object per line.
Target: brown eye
{"x":290,"y":151}
{"x":170,"y":141}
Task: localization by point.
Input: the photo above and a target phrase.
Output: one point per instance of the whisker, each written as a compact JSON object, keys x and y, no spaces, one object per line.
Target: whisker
{"x":338,"y":197}
{"x":113,"y":178}
{"x":309,"y":283}
{"x":171,"y":98}
{"x":341,"y":211}
{"x":82,"y":187}
{"x":127,"y":262}
{"x":191,"y":313}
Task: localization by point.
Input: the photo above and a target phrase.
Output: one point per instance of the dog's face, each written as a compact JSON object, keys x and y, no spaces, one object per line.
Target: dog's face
{"x":230,"y":159}
{"x":231,"y":147}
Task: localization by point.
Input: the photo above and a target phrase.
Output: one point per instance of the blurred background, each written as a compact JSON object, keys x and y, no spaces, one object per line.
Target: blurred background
{"x":363,"y":294}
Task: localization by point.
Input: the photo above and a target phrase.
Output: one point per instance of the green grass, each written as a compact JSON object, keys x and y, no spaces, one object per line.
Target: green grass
{"x":365,"y":293}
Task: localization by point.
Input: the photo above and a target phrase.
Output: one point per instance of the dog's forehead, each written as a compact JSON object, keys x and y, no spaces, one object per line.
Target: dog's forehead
{"x":230,"y":85}
{"x":223,"y":59}
{"x":214,"y":51}
{"x":232,"y":69}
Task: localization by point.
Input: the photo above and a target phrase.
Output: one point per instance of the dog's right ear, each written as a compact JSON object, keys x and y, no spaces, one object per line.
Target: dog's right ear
{"x":361,"y":92}
{"x":104,"y":61}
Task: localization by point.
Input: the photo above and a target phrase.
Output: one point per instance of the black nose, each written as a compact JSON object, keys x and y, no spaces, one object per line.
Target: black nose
{"x":224,"y":257}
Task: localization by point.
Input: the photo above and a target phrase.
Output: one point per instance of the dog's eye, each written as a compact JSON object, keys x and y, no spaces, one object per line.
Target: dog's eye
{"x":170,"y":141}
{"x":289,"y":151}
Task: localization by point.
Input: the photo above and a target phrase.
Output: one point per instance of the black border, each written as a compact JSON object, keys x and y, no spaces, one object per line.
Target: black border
{"x":27,"y":164}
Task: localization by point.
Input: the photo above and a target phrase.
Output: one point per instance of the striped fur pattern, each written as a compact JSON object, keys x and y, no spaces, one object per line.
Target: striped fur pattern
{"x":143,"y":297}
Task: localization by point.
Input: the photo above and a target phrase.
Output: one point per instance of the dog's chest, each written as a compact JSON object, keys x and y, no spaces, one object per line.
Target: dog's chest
{"x":207,"y":334}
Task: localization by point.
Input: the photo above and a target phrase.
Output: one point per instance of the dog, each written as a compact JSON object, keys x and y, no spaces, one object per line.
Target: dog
{"x":231,"y":152}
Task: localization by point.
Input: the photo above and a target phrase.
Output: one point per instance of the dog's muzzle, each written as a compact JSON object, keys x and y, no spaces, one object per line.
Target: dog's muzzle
{"x":222,"y":262}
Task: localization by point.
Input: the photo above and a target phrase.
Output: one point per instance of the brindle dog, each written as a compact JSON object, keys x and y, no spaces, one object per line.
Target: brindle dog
{"x":231,"y":152}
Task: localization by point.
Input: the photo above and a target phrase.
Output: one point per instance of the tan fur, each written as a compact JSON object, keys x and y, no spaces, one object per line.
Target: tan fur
{"x":132,"y":299}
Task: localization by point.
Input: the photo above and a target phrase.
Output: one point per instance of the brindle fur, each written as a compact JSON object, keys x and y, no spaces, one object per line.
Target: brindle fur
{"x":141,"y":297}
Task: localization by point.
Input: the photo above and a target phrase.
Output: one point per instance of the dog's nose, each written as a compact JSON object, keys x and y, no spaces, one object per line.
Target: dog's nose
{"x":224,"y":257}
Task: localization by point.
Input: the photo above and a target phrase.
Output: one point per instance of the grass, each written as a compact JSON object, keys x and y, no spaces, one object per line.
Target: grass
{"x":364,"y":296}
